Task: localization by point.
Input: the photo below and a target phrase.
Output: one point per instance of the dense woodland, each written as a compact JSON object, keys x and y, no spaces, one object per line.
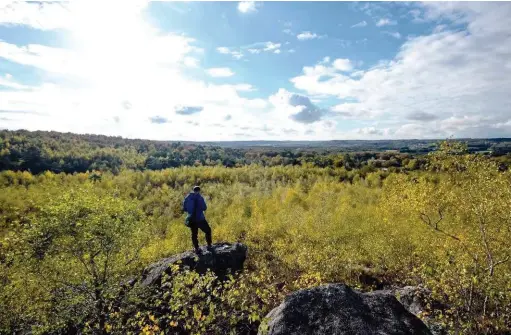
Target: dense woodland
{"x":80,"y":215}
{"x":65,"y":152}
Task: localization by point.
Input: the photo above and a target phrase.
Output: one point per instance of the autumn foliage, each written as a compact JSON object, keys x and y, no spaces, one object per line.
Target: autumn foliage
{"x":69,"y":241}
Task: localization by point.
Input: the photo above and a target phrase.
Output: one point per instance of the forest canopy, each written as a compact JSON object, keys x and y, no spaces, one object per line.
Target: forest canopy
{"x":65,"y":152}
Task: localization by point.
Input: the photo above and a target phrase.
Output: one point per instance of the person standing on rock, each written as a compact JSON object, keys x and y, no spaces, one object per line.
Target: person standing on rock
{"x":195,"y":205}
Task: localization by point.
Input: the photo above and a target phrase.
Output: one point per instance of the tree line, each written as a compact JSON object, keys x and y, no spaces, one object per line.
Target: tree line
{"x":70,"y":153}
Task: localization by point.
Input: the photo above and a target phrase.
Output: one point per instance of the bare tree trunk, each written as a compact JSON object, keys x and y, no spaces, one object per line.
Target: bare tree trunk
{"x":489,"y":259}
{"x":99,"y":300}
{"x":100,"y":310}
{"x":471,"y":293}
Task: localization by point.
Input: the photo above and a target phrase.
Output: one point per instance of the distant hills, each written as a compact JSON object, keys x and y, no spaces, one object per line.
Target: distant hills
{"x":493,"y":145}
{"x":412,"y":145}
{"x":41,"y":151}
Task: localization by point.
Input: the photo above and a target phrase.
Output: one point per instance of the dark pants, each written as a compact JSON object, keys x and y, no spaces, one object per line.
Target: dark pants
{"x":204,"y":226}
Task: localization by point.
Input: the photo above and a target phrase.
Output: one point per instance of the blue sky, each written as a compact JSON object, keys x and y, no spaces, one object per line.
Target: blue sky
{"x":257,"y":70}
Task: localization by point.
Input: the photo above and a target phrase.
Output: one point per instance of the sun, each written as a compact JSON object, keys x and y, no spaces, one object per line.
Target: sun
{"x":122,"y":59}
{"x":112,"y":42}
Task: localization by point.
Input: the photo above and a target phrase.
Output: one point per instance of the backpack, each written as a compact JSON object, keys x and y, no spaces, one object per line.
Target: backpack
{"x":190,"y":218}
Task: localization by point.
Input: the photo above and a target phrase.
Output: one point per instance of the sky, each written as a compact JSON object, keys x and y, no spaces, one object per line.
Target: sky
{"x":214,"y":71}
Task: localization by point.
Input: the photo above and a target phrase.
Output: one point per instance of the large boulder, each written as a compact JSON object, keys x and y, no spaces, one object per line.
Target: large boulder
{"x":413,"y":298}
{"x":418,"y":300}
{"x":224,"y":258}
{"x":338,"y":309}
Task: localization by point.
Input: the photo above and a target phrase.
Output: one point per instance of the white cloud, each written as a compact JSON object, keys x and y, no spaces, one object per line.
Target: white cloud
{"x":90,"y":61}
{"x":385,"y":22}
{"x":223,"y":50}
{"x":360,"y":24}
{"x":43,"y":16}
{"x":324,"y":78}
{"x":416,"y":130}
{"x":237,"y":55}
{"x":343,"y":64}
{"x":112,"y":79}
{"x":446,"y":83}
{"x":307,"y":35}
{"x":220,"y":72}
{"x":291,"y":51}
{"x":234,"y":53}
{"x":191,"y":62}
{"x":256,"y":48}
{"x":52,"y":107}
{"x":8,"y":81}
{"x":247,"y":6}
{"x":372,"y":8}
{"x":287,"y":31}
{"x":50,"y":59}
{"x":394,"y":34}
{"x":369,"y":131}
{"x":270,"y":46}
{"x":440,"y":28}
{"x":119,"y":80}
{"x":244,"y":87}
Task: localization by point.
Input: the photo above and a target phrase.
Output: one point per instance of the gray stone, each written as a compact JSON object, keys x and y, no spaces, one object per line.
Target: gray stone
{"x":416,"y":300}
{"x":224,"y":258}
{"x":336,"y":309}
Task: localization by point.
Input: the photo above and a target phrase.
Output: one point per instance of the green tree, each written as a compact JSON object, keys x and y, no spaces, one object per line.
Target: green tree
{"x":82,"y":244}
{"x":465,"y":203}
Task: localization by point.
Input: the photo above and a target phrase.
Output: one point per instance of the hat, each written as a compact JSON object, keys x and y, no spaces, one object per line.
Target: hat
{"x":196,"y":188}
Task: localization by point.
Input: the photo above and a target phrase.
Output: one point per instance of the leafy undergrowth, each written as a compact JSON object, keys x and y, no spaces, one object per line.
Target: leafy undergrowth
{"x":67,"y":241}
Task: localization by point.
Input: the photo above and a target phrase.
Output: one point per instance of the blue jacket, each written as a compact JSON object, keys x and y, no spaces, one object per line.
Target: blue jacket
{"x":191,"y":200}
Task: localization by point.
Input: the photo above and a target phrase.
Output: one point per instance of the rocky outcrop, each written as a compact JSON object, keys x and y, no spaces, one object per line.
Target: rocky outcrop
{"x":222,"y":259}
{"x":338,"y":309}
{"x":414,"y":298}
{"x":418,"y":300}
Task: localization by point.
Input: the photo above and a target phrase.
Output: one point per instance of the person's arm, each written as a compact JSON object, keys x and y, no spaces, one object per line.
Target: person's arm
{"x":184,"y":204}
{"x":204,"y":206}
